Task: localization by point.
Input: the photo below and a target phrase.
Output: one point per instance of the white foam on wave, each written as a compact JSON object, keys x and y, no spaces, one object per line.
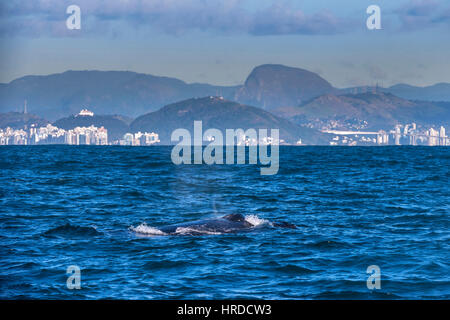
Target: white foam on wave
{"x":145,"y":229}
{"x":187,"y":230}
{"x":256,"y":221}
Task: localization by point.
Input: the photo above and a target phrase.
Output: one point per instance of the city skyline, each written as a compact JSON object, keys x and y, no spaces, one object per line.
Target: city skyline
{"x":408,"y":134}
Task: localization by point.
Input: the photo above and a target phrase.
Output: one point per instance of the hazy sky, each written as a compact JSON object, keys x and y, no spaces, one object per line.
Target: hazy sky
{"x":220,"y":41}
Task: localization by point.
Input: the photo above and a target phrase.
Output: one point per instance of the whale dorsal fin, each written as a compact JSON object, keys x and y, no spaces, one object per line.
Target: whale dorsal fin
{"x":236,"y":217}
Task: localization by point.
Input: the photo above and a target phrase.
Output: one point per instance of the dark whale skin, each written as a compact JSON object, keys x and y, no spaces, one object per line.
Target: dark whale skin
{"x":226,"y":224}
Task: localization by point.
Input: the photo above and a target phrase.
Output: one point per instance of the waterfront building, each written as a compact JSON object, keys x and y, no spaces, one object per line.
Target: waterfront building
{"x":139,"y":139}
{"x":432,"y":137}
{"x":85,"y":113}
{"x":397,"y":135}
{"x":442,"y":137}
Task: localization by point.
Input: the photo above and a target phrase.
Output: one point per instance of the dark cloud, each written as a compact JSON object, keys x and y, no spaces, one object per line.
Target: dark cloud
{"x":419,"y":8}
{"x":281,"y":19}
{"x":420,"y":14}
{"x":443,"y":17}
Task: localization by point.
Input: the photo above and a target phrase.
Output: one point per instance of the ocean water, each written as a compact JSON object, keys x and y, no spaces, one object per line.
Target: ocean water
{"x":93,"y":207}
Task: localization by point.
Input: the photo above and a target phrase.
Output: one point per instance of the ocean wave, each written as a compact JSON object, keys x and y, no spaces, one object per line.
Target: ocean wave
{"x":72,"y":230}
{"x":256,"y":221}
{"x":294,"y":269}
{"x":147,"y":230}
{"x":164,"y":264}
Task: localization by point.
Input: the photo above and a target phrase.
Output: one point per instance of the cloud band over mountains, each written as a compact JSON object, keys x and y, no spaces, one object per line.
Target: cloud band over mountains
{"x":420,"y":14}
{"x":46,"y":17}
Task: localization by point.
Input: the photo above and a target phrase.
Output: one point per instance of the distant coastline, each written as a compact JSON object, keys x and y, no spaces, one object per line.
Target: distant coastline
{"x":140,"y":109}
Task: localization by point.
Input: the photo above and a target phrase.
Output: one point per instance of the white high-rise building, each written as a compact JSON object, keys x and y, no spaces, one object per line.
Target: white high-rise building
{"x":442,"y":137}
{"x":405,"y":130}
{"x":397,"y":135}
{"x":432,"y":137}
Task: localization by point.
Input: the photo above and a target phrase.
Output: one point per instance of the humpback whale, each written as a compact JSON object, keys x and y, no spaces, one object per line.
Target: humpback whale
{"x":226,"y":224}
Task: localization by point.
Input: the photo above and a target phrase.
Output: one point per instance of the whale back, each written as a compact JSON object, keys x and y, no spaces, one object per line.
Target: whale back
{"x":235,"y":217}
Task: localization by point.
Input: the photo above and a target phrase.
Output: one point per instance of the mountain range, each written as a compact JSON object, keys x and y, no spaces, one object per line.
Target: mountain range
{"x":132,"y":94}
{"x":104,"y":92}
{"x":117,"y":126}
{"x":19,"y":120}
{"x":218,"y":113}
{"x":272,"y":86}
{"x":273,"y":96}
{"x":437,"y":92}
{"x":214,"y":112}
{"x":379,"y":109}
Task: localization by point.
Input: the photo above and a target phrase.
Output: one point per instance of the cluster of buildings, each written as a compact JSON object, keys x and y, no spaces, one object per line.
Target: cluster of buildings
{"x":431,"y":137}
{"x":408,"y":134}
{"x":53,"y":135}
{"x":78,"y":136}
{"x":138,"y":139}
{"x":91,"y":135}
{"x":252,"y":140}
{"x":87,"y":135}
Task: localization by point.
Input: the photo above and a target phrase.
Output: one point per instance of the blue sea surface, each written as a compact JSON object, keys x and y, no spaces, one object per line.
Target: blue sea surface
{"x":353,"y":206}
